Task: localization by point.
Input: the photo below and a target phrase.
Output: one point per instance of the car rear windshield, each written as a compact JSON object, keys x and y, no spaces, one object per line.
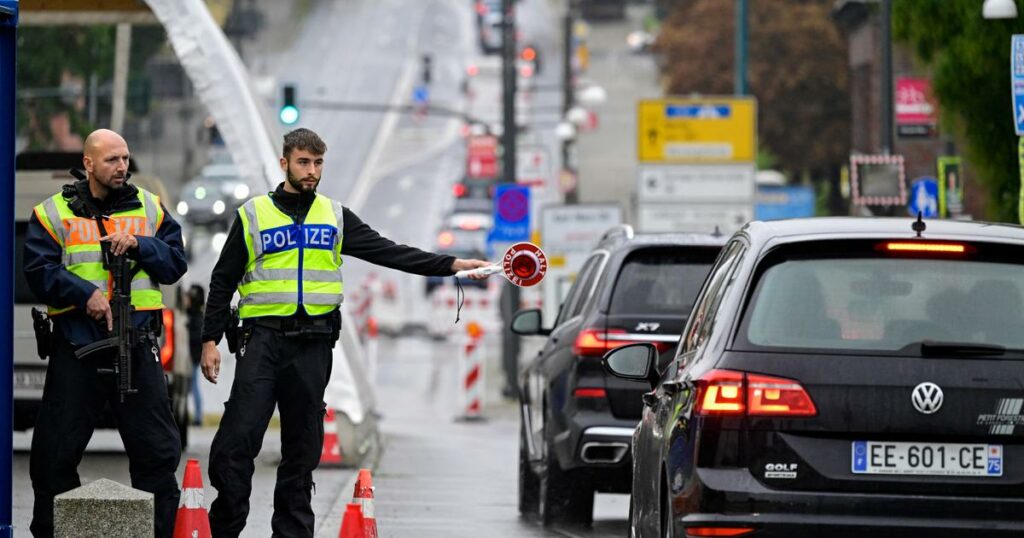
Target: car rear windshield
{"x":864,"y":298}
{"x":661,"y":281}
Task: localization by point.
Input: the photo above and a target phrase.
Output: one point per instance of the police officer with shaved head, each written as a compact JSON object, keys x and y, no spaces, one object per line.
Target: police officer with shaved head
{"x":283,"y":255}
{"x":64,"y":266}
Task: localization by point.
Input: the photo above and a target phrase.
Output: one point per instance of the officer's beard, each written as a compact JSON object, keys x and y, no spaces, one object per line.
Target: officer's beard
{"x":298,"y":184}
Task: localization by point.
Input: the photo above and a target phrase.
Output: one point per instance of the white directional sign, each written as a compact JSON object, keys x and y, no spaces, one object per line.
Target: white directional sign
{"x":713,"y":183}
{"x":569,"y":234}
{"x":533,"y":166}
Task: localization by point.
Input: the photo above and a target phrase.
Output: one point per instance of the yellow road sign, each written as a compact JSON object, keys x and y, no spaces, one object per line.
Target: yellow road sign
{"x":700,"y":130}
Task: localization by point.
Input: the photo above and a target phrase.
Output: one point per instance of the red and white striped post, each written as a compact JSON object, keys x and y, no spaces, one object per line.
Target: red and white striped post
{"x":472,"y":372}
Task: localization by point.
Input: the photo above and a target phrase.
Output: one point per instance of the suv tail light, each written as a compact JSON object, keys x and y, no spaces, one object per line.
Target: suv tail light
{"x":167,"y":349}
{"x":728,"y":392}
{"x":595,"y":342}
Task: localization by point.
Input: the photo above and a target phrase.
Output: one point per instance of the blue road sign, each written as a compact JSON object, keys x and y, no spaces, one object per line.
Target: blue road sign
{"x":1017,"y":81}
{"x":511,"y":214}
{"x":420,"y":95}
{"x":924,"y":197}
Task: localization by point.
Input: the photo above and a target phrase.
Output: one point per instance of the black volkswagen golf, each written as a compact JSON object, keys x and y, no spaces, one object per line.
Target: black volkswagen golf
{"x":840,"y":377}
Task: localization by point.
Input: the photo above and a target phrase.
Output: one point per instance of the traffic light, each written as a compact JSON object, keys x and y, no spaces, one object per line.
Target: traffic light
{"x":289,"y":113}
{"x":425,"y":69}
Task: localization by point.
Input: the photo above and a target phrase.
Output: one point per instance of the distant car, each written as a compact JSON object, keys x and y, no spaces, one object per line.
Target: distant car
{"x":475,"y":188}
{"x":465,"y":244}
{"x":840,"y":377}
{"x":214,"y":195}
{"x":576,"y":421}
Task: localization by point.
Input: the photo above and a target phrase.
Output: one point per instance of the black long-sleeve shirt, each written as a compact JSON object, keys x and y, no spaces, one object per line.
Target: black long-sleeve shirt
{"x":358,"y":240}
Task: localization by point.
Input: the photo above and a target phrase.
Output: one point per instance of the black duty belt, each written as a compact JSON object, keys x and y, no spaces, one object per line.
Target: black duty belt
{"x":289,"y":324}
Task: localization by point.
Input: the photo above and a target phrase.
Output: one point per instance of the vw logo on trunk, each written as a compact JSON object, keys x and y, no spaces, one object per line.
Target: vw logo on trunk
{"x":927,"y":398}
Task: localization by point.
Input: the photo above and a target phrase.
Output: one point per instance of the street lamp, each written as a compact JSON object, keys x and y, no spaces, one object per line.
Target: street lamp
{"x":999,"y":9}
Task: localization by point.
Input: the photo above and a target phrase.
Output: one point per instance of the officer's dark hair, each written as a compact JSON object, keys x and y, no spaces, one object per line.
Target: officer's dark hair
{"x":303,"y":139}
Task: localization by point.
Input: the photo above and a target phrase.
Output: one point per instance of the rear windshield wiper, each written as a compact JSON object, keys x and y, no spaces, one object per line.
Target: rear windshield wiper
{"x":931,"y":348}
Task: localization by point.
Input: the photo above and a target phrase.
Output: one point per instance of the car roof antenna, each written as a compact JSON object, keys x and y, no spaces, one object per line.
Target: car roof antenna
{"x":717,"y":232}
{"x":919,"y":225}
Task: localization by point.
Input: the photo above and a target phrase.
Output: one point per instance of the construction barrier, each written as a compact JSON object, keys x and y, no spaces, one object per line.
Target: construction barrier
{"x":472,"y":372}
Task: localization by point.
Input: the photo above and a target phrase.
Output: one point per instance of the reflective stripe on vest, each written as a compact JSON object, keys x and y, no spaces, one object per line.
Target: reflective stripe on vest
{"x":81,"y":255}
{"x":291,"y":264}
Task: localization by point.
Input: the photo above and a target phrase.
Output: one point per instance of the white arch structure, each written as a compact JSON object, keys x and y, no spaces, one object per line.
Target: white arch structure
{"x":223,"y":85}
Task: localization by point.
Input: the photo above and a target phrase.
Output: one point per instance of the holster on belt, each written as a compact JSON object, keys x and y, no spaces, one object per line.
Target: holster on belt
{"x":43,"y":328}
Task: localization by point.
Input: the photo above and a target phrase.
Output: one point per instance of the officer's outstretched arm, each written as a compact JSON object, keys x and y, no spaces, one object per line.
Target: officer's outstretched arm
{"x":44,"y":269}
{"x":163,"y":255}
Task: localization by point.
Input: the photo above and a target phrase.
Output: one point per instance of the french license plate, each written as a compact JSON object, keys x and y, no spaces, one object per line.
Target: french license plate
{"x":29,"y":379}
{"x":936,"y":459}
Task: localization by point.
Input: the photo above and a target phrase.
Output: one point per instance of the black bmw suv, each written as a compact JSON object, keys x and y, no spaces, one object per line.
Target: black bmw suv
{"x":576,"y":422}
{"x":841,"y":378}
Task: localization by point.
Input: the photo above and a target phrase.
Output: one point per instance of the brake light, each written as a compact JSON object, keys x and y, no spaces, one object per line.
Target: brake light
{"x":721,"y":393}
{"x":778,"y":397}
{"x":952,"y":248}
{"x":459,"y":190}
{"x":727,"y":392}
{"x":167,"y":349}
{"x":595,"y":343}
{"x":589,"y":393}
{"x":719,"y":531}
{"x":445,"y":239}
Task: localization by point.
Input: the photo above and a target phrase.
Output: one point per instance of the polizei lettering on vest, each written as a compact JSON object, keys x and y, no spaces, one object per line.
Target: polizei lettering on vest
{"x":316,"y":236}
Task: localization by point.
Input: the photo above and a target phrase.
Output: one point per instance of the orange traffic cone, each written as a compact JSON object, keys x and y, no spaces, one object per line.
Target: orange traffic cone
{"x":363,"y":496}
{"x":192,"y":520}
{"x":352,"y":523}
{"x":330,"y":456}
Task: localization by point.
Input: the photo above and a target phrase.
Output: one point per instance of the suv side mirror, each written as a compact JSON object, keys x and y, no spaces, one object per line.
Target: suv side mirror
{"x":528,"y":323}
{"x":637,"y":362}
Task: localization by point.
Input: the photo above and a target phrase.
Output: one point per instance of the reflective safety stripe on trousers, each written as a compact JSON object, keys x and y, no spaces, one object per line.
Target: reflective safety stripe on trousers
{"x":291,"y":264}
{"x":79,"y":239}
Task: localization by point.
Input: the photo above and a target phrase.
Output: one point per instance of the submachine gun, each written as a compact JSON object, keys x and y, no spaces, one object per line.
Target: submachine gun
{"x":125,"y":336}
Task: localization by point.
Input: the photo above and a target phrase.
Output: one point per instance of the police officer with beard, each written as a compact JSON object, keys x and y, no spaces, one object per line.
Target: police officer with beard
{"x":63,"y":266}
{"x":283,"y":255}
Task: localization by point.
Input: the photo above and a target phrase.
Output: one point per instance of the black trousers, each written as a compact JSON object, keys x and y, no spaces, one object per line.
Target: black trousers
{"x":74,"y":397}
{"x":291,"y":372}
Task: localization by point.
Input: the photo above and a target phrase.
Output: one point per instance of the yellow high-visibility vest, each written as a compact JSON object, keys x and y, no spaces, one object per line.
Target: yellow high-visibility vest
{"x":291,"y":264}
{"x":79,"y":238}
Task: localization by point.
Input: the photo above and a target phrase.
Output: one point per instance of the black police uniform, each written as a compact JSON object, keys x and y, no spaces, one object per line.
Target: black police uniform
{"x":75,"y":394}
{"x":276,"y":365}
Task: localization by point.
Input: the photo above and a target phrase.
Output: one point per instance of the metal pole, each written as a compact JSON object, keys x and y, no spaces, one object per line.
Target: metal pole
{"x":510,"y":295}
{"x":122,"y":50}
{"x":740,"y":79}
{"x":8,"y":33}
{"x":888,"y":145}
{"x":568,"y":95}
{"x":508,"y":71}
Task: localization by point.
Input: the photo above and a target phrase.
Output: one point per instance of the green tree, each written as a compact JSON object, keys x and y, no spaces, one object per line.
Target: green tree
{"x":49,"y":55}
{"x":797,"y":69}
{"x":970,"y":62}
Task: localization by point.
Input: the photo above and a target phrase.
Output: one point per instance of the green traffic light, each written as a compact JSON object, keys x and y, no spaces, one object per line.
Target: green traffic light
{"x":289,"y":115}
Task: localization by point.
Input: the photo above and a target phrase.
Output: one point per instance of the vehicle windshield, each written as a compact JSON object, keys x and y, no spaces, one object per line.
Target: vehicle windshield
{"x":887,"y":304}
{"x":662,"y":282}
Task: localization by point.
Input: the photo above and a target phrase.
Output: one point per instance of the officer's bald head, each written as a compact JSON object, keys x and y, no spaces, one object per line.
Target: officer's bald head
{"x":105,"y":157}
